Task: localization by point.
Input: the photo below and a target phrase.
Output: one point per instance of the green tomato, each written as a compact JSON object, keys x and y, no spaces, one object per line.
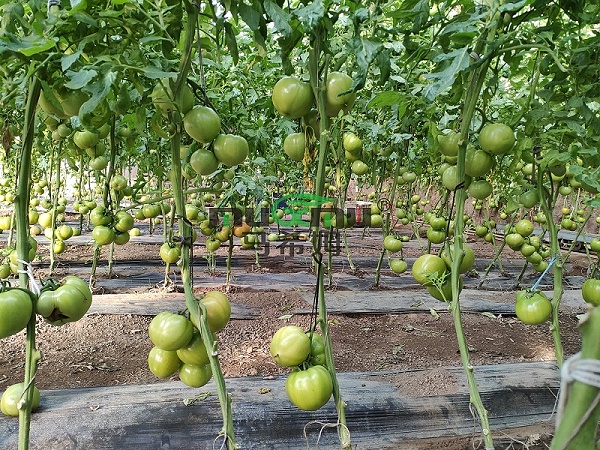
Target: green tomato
{"x":218,"y":310}
{"x":392,"y":244}
{"x":103,"y":235}
{"x":202,"y":124}
{"x":524,"y":227}
{"x":317,"y":349}
{"x":16,"y":308}
{"x":436,"y":236}
{"x":337,"y":83}
{"x":398,"y":265}
{"x":195,"y":376}
{"x":449,"y":143}
{"x":309,"y":389}
{"x":195,"y":351}
{"x":358,"y":167}
{"x":170,"y":331}
{"x":428,"y":266}
{"x":100,"y":215}
{"x":290,"y":346}
{"x":230,"y":149}
{"x":67,"y":303}
{"x":294,"y":146}
{"x":444,"y":293}
{"x":123,"y":221}
{"x":466,"y":263}
{"x":590,"y":291}
{"x":169,"y":253}
{"x":496,"y":138}
{"x":163,"y":363}
{"x":533,"y":307}
{"x":477,"y":162}
{"x":514,"y":241}
{"x":352,"y":143}
{"x":292,"y":98}
{"x":9,"y":402}
{"x":204,"y":161}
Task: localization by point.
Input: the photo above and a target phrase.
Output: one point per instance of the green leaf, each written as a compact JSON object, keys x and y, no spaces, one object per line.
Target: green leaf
{"x":280,"y":18}
{"x":388,"y":98}
{"x":80,"y":79}
{"x":77,"y":5}
{"x":231,"y":42}
{"x":154,"y":73}
{"x":68,"y":60}
{"x":249,"y":15}
{"x":29,"y":45}
{"x":445,"y":79}
{"x":99,"y":90}
{"x":310,"y":16}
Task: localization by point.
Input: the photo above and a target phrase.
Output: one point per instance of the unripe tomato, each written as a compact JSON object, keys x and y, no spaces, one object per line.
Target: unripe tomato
{"x":85,"y":139}
{"x":163,"y":363}
{"x":529,"y":198}
{"x":103,"y":235}
{"x":496,"y":138}
{"x":514,"y":241}
{"x":590,"y":291}
{"x":477,"y":162}
{"x":352,"y":143}
{"x":202,"y":124}
{"x":338,"y":82}
{"x":195,"y":351}
{"x":218,"y":310}
{"x":12,"y":396}
{"x":309,"y":389}
{"x":169,"y":253}
{"x":204,"y":161}
{"x":170,"y":331}
{"x":428,"y":266}
{"x":230,"y":149}
{"x":467,"y":261}
{"x":449,"y":143}
{"x":195,"y":376}
{"x":16,"y":308}
{"x":533,"y":307}
{"x":524,"y":227}
{"x":294,"y":145}
{"x":444,"y":293}
{"x":392,"y":244}
{"x":290,"y":346}
{"x":359,"y":168}
{"x":398,"y":265}
{"x":292,"y":98}
{"x":480,"y":189}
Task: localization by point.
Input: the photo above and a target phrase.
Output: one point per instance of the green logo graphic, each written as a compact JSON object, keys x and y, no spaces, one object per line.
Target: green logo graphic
{"x":296,"y":207}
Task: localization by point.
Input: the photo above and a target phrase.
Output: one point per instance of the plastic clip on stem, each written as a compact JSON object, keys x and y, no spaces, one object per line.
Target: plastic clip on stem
{"x":33,"y":285}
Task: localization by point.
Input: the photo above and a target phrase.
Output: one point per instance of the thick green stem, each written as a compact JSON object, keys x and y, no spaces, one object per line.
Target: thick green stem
{"x":547,"y":207}
{"x":196,"y":309}
{"x":472,"y":95}
{"x":32,"y":355}
{"x":578,"y":427}
{"x":319,"y":90}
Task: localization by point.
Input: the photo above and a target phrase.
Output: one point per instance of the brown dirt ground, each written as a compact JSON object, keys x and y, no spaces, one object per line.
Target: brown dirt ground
{"x":112,"y":349}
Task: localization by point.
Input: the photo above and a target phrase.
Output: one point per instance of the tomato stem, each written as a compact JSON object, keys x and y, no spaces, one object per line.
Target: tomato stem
{"x":22,"y":225}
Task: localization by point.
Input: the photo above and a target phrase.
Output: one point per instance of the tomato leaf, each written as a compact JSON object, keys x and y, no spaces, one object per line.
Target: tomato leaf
{"x":387,"y":98}
{"x":154,"y":73}
{"x":99,"y":90}
{"x":80,"y":79}
{"x":444,"y":79}
{"x":310,"y":16}
{"x":68,"y":60}
{"x":280,"y":18}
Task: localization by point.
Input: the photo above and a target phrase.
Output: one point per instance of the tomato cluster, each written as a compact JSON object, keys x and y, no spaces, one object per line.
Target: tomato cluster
{"x":178,"y":343}
{"x":309,"y":386}
{"x":521,"y":238}
{"x":57,"y":304}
